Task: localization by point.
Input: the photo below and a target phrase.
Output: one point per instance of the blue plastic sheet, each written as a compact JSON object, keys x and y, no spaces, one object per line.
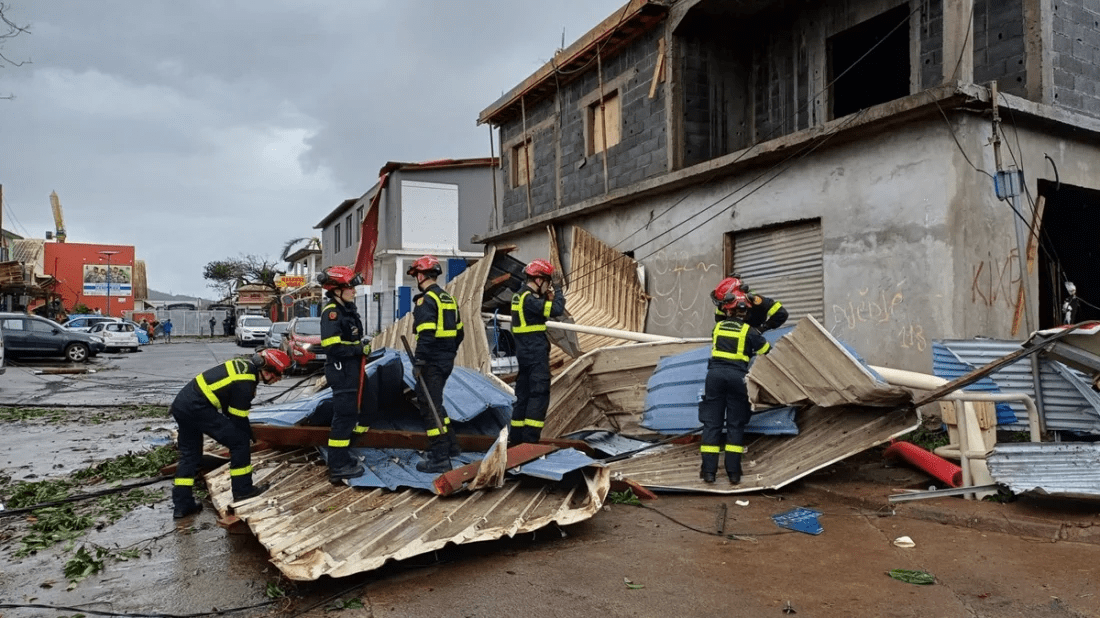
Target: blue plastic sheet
{"x":800,"y":519}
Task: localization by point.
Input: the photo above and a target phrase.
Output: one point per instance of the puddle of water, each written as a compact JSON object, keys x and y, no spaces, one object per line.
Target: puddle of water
{"x":59,"y":450}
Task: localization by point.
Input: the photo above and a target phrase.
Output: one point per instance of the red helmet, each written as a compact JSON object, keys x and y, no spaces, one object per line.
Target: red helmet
{"x":275,"y":361}
{"x":738,"y":303}
{"x":539,"y":268}
{"x":336,"y":277}
{"x":725,"y":290}
{"x":427,"y":265}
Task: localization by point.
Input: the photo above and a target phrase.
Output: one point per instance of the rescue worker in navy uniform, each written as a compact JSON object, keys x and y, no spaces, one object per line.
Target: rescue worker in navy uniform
{"x":344,"y":346}
{"x":216,"y":403}
{"x":531,"y":306}
{"x":438,"y":327}
{"x":725,"y":396}
{"x":764,"y":313}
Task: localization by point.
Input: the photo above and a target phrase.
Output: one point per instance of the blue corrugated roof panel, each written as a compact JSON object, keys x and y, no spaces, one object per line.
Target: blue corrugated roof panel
{"x":606,"y":442}
{"x":674,"y":389}
{"x":554,"y":466}
{"x":947,"y":365}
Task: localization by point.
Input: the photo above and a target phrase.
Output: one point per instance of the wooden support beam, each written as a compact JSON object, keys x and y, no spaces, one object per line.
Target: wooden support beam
{"x":658,"y":68}
{"x":277,"y":436}
{"x":450,"y":482}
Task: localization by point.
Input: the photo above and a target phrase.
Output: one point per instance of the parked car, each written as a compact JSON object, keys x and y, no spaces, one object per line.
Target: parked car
{"x":143,"y":337}
{"x":274,"y":338}
{"x":302,"y":342}
{"x":30,"y":335}
{"x":251,"y":330}
{"x":117,"y":335}
{"x":84,"y":323}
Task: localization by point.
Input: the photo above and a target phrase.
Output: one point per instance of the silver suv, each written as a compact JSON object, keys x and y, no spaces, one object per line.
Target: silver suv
{"x":251,"y":330}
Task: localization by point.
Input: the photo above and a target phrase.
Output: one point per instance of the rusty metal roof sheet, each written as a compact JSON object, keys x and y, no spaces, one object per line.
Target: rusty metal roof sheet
{"x":1058,"y":468}
{"x":313,"y":528}
{"x":826,"y":436}
{"x":810,"y":366}
{"x":1069,"y":403}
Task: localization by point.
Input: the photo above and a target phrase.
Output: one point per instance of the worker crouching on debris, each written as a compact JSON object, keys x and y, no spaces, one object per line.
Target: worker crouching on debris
{"x":345,"y":348}
{"x":438,"y":327}
{"x":764,"y":313}
{"x":725,"y":396}
{"x":216,"y":403}
{"x":531,"y":307}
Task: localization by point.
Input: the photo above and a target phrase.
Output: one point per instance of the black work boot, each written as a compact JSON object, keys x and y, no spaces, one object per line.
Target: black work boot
{"x":350,"y":470}
{"x":184,"y":509}
{"x":733,"y":467}
{"x":436,"y":460}
{"x":706,"y":475}
{"x":250,"y":493}
{"x":454,"y":450}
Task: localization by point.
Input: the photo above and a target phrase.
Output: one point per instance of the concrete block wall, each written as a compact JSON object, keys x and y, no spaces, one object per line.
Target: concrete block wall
{"x":715,"y":81}
{"x":999,"y":45}
{"x":931,"y":44}
{"x":1076,"y":55}
{"x":640,"y":154}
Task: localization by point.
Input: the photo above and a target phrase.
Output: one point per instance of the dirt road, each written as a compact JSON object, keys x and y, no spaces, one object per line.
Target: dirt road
{"x":659,"y":560}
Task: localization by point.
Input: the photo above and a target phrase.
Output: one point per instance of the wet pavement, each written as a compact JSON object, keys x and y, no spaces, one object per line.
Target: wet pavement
{"x":660,"y":560}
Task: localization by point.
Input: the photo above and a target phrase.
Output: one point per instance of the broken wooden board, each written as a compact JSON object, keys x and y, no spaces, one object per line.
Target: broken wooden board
{"x":284,"y":436}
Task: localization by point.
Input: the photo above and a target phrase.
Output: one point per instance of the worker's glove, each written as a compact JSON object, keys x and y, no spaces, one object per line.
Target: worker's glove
{"x":366,"y":346}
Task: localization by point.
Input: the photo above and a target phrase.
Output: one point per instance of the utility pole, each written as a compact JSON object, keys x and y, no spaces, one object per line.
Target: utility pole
{"x":108,"y":254}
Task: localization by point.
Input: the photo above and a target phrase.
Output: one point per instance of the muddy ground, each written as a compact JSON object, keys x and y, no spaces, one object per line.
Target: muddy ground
{"x":661,"y":559}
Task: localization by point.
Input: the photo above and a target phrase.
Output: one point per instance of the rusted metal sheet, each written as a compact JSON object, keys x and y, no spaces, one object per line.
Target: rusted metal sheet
{"x":467,"y":289}
{"x":313,"y":528}
{"x":489,"y":472}
{"x":808,"y":366}
{"x":604,"y":291}
{"x":826,"y":436}
{"x":606,"y":389}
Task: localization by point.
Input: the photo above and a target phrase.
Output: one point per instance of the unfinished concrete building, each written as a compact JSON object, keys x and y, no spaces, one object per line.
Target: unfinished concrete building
{"x":877,"y":164}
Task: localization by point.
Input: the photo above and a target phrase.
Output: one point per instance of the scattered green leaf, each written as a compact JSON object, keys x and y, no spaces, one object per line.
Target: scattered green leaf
{"x":340,"y":605}
{"x":83,"y":564}
{"x":143,"y":464}
{"x":928,"y":439}
{"x":920,"y":578}
{"x":273,"y":591}
{"x":623,"y":497}
{"x":631,"y":585}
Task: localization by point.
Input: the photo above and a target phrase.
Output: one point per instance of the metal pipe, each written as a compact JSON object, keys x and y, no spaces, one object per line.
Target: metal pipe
{"x":629,"y":335}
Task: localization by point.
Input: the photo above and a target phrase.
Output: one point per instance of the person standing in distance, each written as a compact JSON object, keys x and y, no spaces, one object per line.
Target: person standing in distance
{"x":531,"y":307}
{"x":216,"y":403}
{"x":438,"y":327}
{"x":344,"y":345}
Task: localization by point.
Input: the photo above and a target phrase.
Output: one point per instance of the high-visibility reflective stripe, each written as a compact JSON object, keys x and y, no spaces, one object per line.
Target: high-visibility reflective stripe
{"x":236,"y":373}
{"x":240,"y":471}
{"x":517,"y":308}
{"x":516,"y":423}
{"x":236,"y":412}
{"x":739,"y":335}
{"x":334,"y":340}
{"x":441,"y":331}
{"x":775,"y":307}
{"x":339,"y":443}
{"x":433,"y":432}
{"x":764,"y":348}
{"x":424,"y":326}
{"x":733,"y":448}
{"x":361,"y":429}
{"x":709,"y":449}
{"x":446,"y":420}
{"x":182,"y":482}
{"x":546,"y":309}
{"x":533,"y":423}
{"x":329,"y":306}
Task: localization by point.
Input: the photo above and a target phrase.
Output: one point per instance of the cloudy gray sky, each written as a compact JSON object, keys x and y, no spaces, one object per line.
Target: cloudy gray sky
{"x":201,"y":130}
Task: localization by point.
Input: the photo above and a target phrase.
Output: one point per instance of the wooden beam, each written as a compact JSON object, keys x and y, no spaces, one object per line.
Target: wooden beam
{"x":450,"y":482}
{"x":658,"y":68}
{"x":278,"y":436}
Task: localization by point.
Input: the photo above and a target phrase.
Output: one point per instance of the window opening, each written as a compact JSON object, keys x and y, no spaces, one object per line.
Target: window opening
{"x":604,"y":119}
{"x":521,"y":161}
{"x":881,"y":76}
{"x":336,"y":239}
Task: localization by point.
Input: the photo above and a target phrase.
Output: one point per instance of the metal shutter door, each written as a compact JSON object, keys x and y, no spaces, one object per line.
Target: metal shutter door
{"x":785,"y":264}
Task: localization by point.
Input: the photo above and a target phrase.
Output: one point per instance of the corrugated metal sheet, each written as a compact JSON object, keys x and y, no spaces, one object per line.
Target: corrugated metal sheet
{"x":605,"y":389}
{"x":826,"y":436}
{"x":809,"y":366}
{"x":313,"y":528}
{"x":607,"y":442}
{"x":1059,"y":468}
{"x":473,"y":401}
{"x":786,"y":264}
{"x":676,"y":386}
{"x":1069,"y":404}
{"x":948,"y":366}
{"x":604,"y":291}
{"x":467,"y":289}
{"x":30,"y":251}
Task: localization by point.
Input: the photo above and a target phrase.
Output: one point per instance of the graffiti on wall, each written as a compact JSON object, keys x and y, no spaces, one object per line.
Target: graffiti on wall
{"x":881,"y":310}
{"x":681,"y":294}
{"x":996,"y":281}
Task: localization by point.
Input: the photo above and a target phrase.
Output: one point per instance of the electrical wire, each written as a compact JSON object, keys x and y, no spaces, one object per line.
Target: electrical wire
{"x":87,"y":496}
{"x":738,"y":536}
{"x":84,"y":610}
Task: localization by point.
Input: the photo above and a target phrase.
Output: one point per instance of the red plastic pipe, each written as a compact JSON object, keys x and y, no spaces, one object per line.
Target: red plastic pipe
{"x":936,"y":466}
